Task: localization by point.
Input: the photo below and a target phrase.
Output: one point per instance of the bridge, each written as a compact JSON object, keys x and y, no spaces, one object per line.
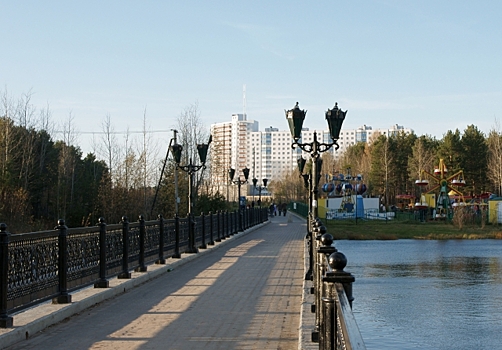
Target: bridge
{"x":241,"y":290}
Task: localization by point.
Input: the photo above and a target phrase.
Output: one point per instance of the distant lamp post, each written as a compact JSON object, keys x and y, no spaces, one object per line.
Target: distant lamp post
{"x":259,"y":188}
{"x":191,"y":169}
{"x":295,"y":118}
{"x":239,"y":182}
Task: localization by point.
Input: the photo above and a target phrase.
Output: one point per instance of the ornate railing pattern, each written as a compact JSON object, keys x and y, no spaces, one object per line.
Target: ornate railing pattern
{"x":38,"y":266}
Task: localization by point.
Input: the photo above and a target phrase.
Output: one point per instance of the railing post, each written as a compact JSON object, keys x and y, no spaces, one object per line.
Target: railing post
{"x":177,"y":254}
{"x":141,"y":258}
{"x":333,"y":325}
{"x":6,"y":321}
{"x":125,"y":274}
{"x":246,"y":218}
{"x":324,"y":250}
{"x":63,"y":296}
{"x":223,"y":224}
{"x":229,"y":227}
{"x":311,"y":242}
{"x":161,"y":260}
{"x":217,"y":216}
{"x":224,"y":218}
{"x":203,"y":244}
{"x":102,"y":282}
{"x":235,"y":222}
{"x":211,"y":237}
{"x":221,"y":233}
{"x":242,"y":226}
{"x":231,"y":221}
{"x":191,"y":234}
{"x":328,"y":338}
{"x":337,"y":261}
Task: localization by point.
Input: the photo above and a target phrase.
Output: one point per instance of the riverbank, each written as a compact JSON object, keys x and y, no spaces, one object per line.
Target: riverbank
{"x":392,"y":229}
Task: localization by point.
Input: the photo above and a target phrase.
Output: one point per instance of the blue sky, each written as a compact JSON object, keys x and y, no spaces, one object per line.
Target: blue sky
{"x":428,"y":65}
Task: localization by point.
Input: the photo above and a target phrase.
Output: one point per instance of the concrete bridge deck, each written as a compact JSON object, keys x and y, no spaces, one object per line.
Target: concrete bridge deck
{"x":243,"y":293}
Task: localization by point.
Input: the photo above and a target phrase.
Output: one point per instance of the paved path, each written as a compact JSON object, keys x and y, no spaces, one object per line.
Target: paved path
{"x":246,"y":295}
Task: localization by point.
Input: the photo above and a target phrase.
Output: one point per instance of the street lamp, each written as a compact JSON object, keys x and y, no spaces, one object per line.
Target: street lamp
{"x":259,"y":188}
{"x":295,"y":118}
{"x":239,"y":182}
{"x":191,"y":169}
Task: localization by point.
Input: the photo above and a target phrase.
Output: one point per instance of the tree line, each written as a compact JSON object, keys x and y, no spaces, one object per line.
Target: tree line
{"x":390,"y":164}
{"x":43,"y":179}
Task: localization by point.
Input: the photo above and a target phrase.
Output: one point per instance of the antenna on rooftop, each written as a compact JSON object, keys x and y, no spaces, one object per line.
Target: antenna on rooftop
{"x":244,"y":102}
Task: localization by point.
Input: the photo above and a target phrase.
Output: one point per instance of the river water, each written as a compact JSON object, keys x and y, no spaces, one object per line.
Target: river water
{"x":420,"y":294}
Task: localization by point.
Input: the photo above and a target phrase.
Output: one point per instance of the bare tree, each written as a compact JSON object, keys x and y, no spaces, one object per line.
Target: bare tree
{"x":109,"y":148}
{"x":148,"y":163}
{"x":26,"y":143}
{"x":421,"y":159}
{"x":6,"y":129}
{"x":192,"y":132}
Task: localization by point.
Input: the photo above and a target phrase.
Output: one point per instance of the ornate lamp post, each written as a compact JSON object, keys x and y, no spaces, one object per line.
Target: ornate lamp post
{"x":239,"y":182}
{"x":295,"y":118}
{"x":259,"y":188}
{"x":191,"y":169}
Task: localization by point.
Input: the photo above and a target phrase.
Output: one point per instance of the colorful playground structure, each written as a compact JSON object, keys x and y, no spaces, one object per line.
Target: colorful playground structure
{"x":446,"y":187}
{"x":440,"y":197}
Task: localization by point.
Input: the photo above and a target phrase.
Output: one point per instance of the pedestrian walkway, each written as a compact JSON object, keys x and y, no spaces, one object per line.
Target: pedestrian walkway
{"x":242,"y":293}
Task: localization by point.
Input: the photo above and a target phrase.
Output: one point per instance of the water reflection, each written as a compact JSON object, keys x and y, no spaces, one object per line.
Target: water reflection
{"x":461,"y":270}
{"x":427,"y":294}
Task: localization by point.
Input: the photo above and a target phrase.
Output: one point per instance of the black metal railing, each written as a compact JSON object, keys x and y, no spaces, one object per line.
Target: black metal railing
{"x":335,"y":326}
{"x":45,"y":265}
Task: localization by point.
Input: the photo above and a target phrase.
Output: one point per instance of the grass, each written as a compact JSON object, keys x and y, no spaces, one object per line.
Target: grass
{"x":391,"y":230}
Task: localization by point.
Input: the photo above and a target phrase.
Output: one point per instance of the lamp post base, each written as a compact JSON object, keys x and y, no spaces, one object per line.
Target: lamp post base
{"x":6,"y":322}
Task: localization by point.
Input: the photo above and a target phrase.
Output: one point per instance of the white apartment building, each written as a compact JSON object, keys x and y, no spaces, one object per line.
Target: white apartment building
{"x":229,"y":150}
{"x":268,"y":154}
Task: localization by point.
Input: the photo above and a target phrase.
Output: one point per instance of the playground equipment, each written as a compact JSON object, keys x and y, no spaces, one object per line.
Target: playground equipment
{"x":446,"y":185}
{"x":405,"y":201}
{"x":342,"y":186}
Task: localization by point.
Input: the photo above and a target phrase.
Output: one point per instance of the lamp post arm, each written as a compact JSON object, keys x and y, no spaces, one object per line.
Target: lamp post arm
{"x":315,"y":147}
{"x":191,"y":168}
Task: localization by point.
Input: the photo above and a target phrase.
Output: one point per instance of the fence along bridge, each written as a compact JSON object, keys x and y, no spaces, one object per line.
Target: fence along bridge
{"x":40,"y":266}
